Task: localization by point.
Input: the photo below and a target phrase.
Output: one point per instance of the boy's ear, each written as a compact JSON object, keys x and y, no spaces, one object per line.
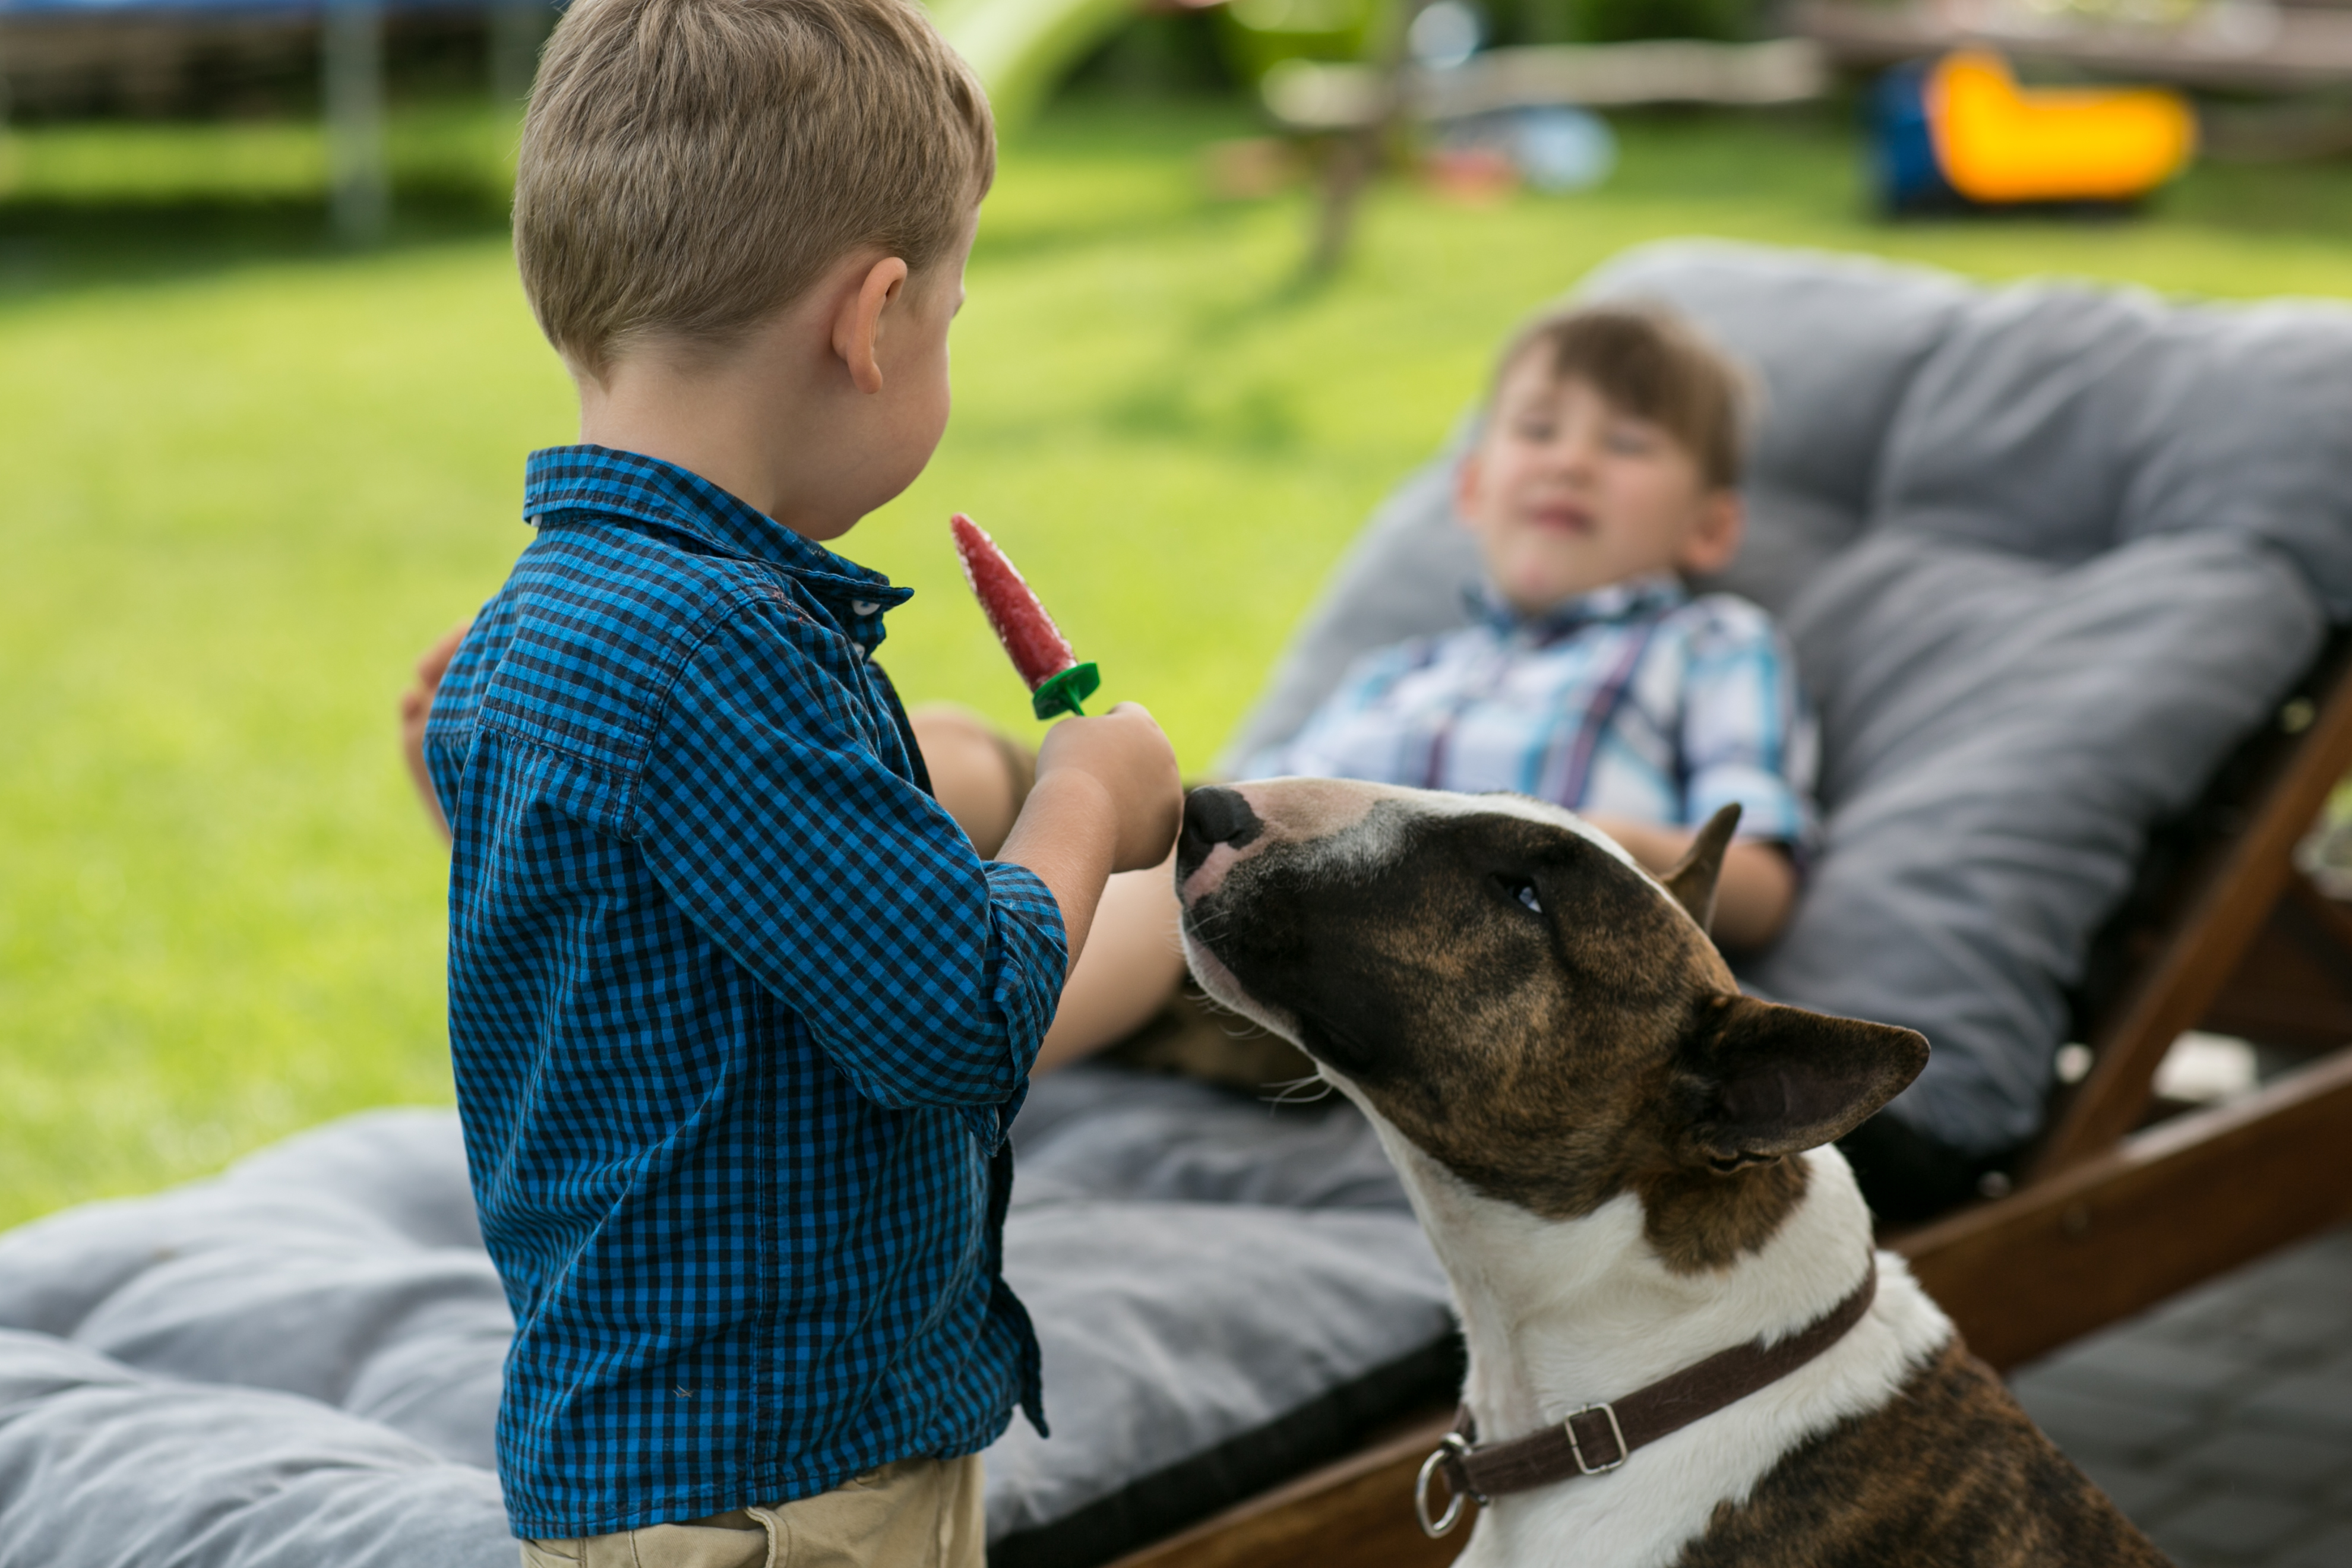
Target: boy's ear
{"x":1714,"y":541}
{"x":1693,"y":879}
{"x":857,"y":320}
{"x":1773,"y":1080}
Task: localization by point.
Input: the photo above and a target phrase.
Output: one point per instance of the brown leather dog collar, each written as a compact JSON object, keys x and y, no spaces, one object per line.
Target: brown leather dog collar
{"x":1601,"y":1438}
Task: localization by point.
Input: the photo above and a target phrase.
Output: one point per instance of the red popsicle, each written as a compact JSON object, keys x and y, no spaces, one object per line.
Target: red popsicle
{"x":1058,"y":681}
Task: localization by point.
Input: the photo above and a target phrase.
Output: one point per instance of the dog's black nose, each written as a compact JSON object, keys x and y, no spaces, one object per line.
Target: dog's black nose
{"x":1213,"y":816}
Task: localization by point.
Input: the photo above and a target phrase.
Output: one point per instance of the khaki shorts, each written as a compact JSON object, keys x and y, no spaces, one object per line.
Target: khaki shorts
{"x":917,"y":1513}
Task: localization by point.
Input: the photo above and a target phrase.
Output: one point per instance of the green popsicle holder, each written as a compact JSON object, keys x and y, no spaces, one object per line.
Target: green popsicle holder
{"x":1062,"y":692}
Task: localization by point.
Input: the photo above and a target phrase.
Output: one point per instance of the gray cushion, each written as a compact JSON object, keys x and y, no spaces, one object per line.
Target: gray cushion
{"x":2059,"y":421}
{"x":343,"y":1266}
{"x":101,"y":1465}
{"x":1169,"y":1333}
{"x":1093,"y":1132}
{"x":1999,"y":736}
{"x":2045,"y":554}
{"x":297,"y":1361}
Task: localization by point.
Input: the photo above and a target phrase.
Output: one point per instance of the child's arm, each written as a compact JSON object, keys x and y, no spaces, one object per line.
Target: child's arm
{"x":1107,"y":800}
{"x":1745,"y":736}
{"x":1753,"y":896}
{"x":1133,"y":960}
{"x":416,"y":706}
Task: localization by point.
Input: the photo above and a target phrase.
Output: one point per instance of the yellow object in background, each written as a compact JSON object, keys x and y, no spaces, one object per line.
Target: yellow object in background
{"x":1999,"y":143}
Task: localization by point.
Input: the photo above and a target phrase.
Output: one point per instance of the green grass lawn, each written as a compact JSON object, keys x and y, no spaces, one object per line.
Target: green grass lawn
{"x":246,"y":475}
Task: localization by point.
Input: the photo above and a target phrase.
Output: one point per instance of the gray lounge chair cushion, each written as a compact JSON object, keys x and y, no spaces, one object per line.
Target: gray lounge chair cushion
{"x":2045,"y":554}
{"x":100,"y":1464}
{"x":298,"y":1362}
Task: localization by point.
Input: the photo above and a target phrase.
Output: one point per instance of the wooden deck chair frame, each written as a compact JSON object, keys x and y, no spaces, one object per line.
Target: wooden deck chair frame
{"x":2121,"y":1205}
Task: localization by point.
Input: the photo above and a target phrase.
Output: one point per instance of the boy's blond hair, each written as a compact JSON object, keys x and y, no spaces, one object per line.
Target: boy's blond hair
{"x":689,"y":166}
{"x":1648,"y":362}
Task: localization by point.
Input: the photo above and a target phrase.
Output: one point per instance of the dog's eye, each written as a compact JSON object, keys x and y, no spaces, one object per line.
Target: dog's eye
{"x":1525,"y":894}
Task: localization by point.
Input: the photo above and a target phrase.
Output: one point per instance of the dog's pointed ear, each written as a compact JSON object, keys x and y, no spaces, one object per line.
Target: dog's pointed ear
{"x":1773,"y":1080}
{"x":1693,"y":879}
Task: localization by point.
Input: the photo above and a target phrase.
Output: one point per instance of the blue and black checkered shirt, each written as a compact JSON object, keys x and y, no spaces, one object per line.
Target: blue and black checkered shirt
{"x":738,"y":1017}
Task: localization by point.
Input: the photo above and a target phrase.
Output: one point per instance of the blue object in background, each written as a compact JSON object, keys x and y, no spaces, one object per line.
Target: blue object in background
{"x":1445,"y":34}
{"x":1563,"y":149}
{"x":1552,"y":148}
{"x":1902,"y":146}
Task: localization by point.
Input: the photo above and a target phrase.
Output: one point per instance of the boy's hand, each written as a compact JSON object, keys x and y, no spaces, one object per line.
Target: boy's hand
{"x":416,"y":706}
{"x":1125,"y":753}
{"x":1107,"y":800}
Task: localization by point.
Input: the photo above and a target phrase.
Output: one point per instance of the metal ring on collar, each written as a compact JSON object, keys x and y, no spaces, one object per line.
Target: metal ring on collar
{"x":1446,"y":1456}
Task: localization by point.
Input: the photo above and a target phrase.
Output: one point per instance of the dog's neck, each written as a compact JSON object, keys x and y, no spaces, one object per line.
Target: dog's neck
{"x":1558,"y":1314}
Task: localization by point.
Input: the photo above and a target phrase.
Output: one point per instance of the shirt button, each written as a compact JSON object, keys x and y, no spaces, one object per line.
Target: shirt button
{"x":864,"y":606}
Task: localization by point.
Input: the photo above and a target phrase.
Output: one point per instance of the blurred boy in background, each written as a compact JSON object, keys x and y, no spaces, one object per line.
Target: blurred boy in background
{"x":1606,"y":474}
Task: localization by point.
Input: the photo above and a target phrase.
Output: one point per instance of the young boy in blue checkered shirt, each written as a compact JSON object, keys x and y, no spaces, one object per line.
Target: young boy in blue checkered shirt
{"x":1606,"y":474}
{"x":740,"y":1017}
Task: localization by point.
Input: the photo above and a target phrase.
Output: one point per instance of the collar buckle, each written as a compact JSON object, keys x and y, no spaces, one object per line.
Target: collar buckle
{"x":1576,"y":1446}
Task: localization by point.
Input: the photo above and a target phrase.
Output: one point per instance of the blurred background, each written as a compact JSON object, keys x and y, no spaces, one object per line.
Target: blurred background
{"x":267,"y":380}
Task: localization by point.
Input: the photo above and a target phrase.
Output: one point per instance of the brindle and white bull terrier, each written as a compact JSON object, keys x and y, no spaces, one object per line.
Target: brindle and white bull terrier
{"x":1624,"y":1166}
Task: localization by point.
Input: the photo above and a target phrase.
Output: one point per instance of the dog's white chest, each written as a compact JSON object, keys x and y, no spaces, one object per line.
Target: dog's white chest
{"x":1558,"y":1316}
{"x":1644,"y":1514}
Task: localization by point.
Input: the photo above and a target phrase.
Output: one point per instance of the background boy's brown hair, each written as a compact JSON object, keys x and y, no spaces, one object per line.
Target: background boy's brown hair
{"x":1649,"y":364}
{"x":689,"y":166}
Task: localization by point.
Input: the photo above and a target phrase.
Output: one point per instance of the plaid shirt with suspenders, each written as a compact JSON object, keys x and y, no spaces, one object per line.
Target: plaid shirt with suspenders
{"x":1636,"y":698}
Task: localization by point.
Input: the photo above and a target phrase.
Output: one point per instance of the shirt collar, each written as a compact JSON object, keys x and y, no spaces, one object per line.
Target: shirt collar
{"x":1636,"y":598}
{"x":566,"y":484}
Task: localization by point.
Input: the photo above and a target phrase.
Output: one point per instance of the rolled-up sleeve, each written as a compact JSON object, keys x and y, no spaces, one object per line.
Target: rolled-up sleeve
{"x":1746,"y":735}
{"x":771,"y":811}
